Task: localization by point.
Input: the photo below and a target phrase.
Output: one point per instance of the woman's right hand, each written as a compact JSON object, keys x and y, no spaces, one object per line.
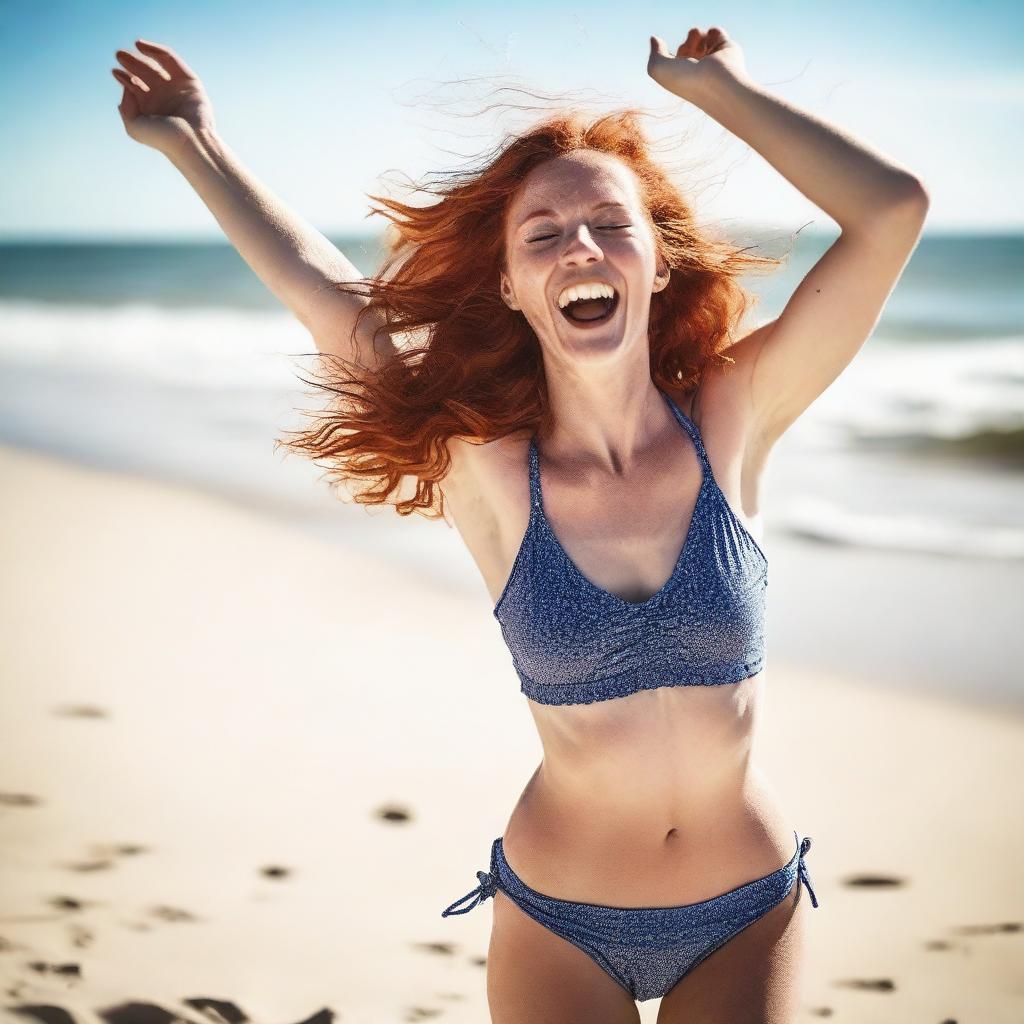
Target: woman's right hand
{"x":164,"y":103}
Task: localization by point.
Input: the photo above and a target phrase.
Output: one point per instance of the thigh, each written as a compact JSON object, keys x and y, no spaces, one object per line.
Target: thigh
{"x":536,"y":977}
{"x":753,"y":979}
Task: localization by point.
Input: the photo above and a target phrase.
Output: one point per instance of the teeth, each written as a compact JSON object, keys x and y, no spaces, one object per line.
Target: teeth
{"x":585,"y":291}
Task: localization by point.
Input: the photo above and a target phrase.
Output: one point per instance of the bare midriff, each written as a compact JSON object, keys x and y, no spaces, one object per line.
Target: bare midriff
{"x":651,"y":799}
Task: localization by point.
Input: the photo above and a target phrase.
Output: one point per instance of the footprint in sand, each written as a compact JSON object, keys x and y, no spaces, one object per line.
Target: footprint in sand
{"x":105,"y":851}
{"x":101,"y":856}
{"x":868,"y":984}
{"x":421,"y":1013}
{"x":821,"y":1011}
{"x":989,"y":929}
{"x":173,"y":914}
{"x":80,"y":711}
{"x":220,"y":1011}
{"x":89,"y":865}
{"x":393,"y":812}
{"x":447,"y":948}
{"x":42,"y":1012}
{"x":874,"y":881}
{"x":140,"y":1013}
{"x":69,"y":903}
{"x":44,"y":968}
{"x":275,"y":871}
{"x":19,"y":800}
{"x":324,"y":1016}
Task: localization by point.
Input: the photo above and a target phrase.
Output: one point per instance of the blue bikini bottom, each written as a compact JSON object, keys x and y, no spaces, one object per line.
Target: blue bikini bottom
{"x":647,"y":950}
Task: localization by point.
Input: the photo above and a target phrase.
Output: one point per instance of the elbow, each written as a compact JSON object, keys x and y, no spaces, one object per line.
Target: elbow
{"x":912,"y":192}
{"x":905,"y":206}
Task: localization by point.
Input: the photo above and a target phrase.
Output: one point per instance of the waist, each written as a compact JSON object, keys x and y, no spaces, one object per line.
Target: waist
{"x":668,"y":847}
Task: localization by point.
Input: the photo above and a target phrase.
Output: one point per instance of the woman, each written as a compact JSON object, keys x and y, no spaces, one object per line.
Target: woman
{"x":599,"y":435}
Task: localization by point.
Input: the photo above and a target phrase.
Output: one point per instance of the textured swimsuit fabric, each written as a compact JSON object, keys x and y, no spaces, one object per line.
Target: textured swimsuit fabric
{"x":574,"y":643}
{"x":647,"y":950}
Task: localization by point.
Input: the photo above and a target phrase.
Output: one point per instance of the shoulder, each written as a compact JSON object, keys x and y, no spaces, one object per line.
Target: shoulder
{"x":483,"y":466}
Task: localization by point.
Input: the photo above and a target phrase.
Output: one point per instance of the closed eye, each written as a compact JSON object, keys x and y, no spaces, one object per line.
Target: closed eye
{"x":605,"y":227}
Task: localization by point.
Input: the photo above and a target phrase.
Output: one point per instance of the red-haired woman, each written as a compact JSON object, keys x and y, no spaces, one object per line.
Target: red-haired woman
{"x":585,"y":404}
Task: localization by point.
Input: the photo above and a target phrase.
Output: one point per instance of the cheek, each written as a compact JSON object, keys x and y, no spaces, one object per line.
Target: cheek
{"x":639,"y":247}
{"x":529,"y":276}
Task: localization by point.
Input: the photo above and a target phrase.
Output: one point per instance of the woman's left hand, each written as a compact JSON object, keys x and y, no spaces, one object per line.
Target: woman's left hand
{"x":702,"y":59}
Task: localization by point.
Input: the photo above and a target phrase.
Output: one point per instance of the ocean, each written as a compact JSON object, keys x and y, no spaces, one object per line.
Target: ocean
{"x":172,"y":360}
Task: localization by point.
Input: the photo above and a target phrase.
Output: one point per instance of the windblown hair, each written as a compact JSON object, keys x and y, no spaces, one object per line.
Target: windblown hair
{"x":478,"y":373}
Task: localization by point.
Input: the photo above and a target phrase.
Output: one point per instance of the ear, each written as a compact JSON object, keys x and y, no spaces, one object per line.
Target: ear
{"x":507,"y":294}
{"x":661,"y":279}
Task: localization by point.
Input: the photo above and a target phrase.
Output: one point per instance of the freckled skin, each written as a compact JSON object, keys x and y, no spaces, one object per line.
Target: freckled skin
{"x":615,"y":244}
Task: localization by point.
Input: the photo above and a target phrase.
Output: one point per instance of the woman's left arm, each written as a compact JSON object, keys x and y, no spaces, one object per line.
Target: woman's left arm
{"x":879,"y":206}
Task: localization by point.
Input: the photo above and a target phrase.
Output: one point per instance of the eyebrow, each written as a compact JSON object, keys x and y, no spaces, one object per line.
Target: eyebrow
{"x":551,"y":213}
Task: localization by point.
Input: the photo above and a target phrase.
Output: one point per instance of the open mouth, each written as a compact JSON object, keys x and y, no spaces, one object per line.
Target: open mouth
{"x":584,"y":312}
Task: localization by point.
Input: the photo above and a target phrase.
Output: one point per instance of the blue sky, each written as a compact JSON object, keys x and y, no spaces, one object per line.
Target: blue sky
{"x":320,"y":100}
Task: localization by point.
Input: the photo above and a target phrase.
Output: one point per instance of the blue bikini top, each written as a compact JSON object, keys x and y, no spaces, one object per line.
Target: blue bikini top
{"x":574,"y":643}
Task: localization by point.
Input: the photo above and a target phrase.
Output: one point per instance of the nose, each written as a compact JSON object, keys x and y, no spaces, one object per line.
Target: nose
{"x":582,"y":249}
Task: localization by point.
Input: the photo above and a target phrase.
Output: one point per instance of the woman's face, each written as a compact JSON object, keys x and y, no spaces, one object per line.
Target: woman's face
{"x":592,"y":227}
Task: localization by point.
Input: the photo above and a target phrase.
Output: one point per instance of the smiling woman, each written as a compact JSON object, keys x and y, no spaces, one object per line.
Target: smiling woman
{"x":479,"y":374}
{"x":575,"y":378}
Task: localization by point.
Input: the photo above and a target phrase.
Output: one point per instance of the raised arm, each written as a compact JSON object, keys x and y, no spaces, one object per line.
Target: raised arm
{"x":879,"y":205}
{"x":165,"y":106}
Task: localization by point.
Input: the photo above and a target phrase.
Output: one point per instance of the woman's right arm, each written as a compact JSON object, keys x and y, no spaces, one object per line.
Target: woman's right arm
{"x":287,"y":253}
{"x":165,"y":106}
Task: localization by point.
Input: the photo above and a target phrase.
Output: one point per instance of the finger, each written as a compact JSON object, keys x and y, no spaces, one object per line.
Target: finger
{"x":686,"y":43}
{"x":128,"y":108}
{"x":143,"y":67}
{"x":136,"y":85}
{"x":688,"y":47}
{"x":167,"y":57}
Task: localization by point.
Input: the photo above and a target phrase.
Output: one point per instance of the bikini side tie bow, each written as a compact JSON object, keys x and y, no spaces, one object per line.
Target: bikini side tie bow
{"x":488,"y":887}
{"x":801,"y":867}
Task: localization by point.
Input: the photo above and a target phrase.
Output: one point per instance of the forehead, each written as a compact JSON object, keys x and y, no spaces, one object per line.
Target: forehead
{"x":580,"y":177}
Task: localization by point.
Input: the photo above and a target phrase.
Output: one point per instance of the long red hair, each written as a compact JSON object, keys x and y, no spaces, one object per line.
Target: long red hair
{"x":477,"y":371}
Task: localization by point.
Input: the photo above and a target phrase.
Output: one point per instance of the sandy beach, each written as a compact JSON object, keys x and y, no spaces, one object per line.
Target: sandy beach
{"x":242,"y":771}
